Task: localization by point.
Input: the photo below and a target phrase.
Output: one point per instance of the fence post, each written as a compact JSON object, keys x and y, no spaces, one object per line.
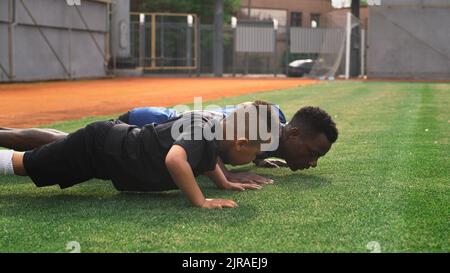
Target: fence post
{"x":363,"y":51}
{"x":107,"y":38}
{"x":218,"y":39}
{"x":288,"y":49}
{"x":197,"y":46}
{"x":233,"y":27}
{"x":162,"y":35}
{"x":189,"y":43}
{"x":142,"y":40}
{"x":153,"y":59}
{"x":275,"y":28}
{"x":12,"y":18}
{"x":70,"y":42}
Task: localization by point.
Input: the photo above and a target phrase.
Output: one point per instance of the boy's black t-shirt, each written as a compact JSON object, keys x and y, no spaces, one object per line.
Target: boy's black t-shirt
{"x":135,"y":158}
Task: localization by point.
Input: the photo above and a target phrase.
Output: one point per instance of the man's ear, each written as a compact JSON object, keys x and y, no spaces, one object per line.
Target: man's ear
{"x":241,"y":142}
{"x":293,"y":132}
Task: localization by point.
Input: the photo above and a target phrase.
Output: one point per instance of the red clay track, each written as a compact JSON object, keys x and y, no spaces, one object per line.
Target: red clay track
{"x":31,"y":104}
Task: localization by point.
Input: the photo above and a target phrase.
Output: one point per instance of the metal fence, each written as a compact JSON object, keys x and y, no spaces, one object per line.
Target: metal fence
{"x":180,"y":49}
{"x":250,"y":48}
{"x":315,"y":40}
{"x":171,"y":45}
{"x":162,"y":42}
{"x":402,"y":47}
{"x":77,"y":43}
{"x":47,"y":39}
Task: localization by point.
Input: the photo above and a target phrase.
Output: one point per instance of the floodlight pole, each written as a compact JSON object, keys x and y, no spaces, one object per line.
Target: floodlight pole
{"x":348,"y":35}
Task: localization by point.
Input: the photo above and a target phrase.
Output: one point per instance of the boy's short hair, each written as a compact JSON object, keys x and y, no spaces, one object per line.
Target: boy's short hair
{"x":242,"y":115}
{"x":315,"y":120}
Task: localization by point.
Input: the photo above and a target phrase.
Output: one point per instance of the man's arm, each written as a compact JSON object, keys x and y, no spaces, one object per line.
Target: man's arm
{"x":28,"y":139}
{"x":182,"y":175}
{"x":218,"y":177}
{"x":243,"y":177}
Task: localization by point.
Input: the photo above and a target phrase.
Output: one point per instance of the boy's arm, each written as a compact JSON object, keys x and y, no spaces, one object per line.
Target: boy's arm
{"x":218,"y":177}
{"x":242,"y":177}
{"x":182,"y":175}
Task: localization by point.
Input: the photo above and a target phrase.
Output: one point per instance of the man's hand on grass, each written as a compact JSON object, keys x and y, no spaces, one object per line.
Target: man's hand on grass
{"x":245,"y":177}
{"x":241,"y":186}
{"x":218,"y":204}
{"x":271,"y":163}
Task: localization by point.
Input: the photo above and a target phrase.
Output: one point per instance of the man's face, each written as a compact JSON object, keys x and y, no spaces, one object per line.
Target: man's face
{"x":303,"y":151}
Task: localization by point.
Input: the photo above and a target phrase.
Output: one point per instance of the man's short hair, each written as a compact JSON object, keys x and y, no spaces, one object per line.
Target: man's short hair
{"x":315,"y":121}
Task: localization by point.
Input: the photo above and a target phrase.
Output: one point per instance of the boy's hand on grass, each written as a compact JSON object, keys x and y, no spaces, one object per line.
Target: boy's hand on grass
{"x":218,"y":204}
{"x":245,"y":177}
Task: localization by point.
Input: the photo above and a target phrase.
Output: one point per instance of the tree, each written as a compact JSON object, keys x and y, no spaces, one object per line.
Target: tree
{"x":204,"y":9}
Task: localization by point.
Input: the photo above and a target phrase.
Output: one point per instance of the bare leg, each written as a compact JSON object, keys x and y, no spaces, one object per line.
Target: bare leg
{"x":28,"y":139}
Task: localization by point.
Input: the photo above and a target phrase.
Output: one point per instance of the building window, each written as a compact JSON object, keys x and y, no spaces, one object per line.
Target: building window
{"x":296,"y":19}
{"x":315,"y":20}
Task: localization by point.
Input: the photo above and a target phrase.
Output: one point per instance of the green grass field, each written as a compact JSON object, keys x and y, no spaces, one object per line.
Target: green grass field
{"x":385,"y":180}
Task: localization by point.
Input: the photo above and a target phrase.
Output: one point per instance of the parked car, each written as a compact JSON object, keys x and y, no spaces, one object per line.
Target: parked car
{"x":300,"y":68}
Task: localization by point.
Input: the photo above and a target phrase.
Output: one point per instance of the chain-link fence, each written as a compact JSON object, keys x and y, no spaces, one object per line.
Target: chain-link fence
{"x":250,"y":47}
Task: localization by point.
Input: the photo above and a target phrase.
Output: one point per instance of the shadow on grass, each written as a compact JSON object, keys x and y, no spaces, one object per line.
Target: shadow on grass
{"x":285,"y":178}
{"x":301,"y":181}
{"x":163,"y":209}
{"x":98,"y":202}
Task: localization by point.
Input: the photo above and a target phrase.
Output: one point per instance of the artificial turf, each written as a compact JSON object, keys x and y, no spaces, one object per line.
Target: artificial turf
{"x":385,"y":180}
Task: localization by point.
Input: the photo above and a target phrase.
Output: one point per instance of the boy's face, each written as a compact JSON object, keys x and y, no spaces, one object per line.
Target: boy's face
{"x":240,"y":152}
{"x":303,"y":151}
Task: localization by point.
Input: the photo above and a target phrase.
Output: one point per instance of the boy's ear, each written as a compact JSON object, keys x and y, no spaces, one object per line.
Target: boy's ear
{"x":241,"y":142}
